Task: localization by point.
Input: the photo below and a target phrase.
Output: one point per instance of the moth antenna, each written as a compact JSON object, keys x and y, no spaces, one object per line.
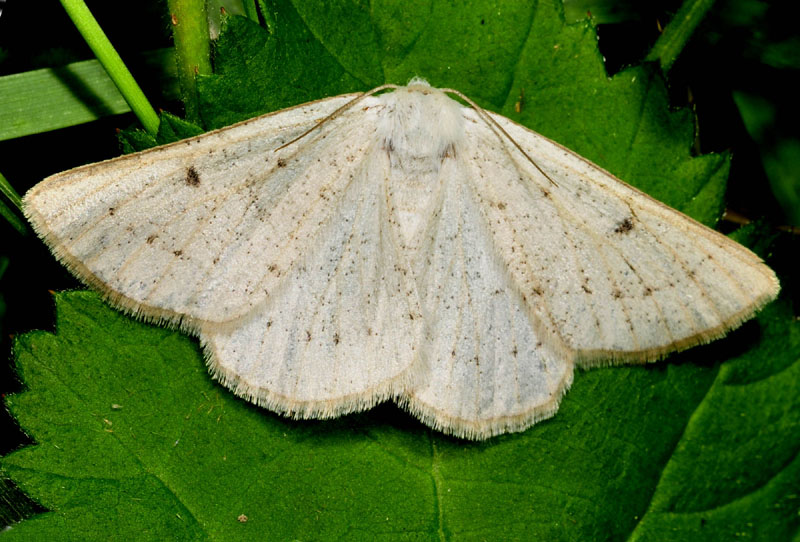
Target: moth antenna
{"x":338,"y":112}
{"x":490,"y":121}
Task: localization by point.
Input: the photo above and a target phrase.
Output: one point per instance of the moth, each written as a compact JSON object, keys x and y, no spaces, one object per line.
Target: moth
{"x":396,"y":245}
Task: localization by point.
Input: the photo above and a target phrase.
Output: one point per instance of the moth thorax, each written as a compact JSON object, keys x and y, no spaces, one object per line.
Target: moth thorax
{"x":422,"y":130}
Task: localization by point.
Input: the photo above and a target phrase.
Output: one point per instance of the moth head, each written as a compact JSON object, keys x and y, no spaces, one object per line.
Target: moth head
{"x":421,"y":121}
{"x":418,"y":84}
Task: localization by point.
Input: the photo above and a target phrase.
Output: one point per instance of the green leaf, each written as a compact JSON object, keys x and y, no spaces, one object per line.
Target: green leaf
{"x":135,"y":439}
{"x":259,"y":73}
{"x":135,"y":436}
{"x":170,"y":129}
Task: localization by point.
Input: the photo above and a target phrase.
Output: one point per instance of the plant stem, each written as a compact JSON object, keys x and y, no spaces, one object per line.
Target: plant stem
{"x":192,"y":49}
{"x":111,"y":61}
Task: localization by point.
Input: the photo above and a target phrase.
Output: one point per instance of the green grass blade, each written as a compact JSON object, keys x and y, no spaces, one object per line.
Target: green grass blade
{"x":9,"y":192}
{"x":49,"y":99}
{"x":677,"y":33}
{"x":6,"y":212}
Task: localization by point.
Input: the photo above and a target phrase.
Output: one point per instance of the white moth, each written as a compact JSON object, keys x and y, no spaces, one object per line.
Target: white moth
{"x":366,"y":247}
